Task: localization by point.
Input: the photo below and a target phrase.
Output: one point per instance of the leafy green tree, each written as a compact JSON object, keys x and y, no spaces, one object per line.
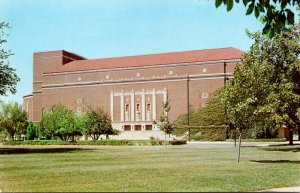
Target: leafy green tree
{"x":13,"y":119}
{"x":164,"y":123}
{"x":61,"y":122}
{"x":97,"y":123}
{"x":276,"y":14}
{"x":210,"y":117}
{"x":32,"y":131}
{"x":265,"y":89}
{"x":9,"y":79}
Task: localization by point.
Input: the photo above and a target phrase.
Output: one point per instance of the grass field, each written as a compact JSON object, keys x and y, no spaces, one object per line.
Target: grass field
{"x":150,"y":169}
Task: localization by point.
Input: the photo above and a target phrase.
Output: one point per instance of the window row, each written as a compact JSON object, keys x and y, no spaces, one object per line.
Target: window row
{"x":138,"y":112}
{"x":138,"y":74}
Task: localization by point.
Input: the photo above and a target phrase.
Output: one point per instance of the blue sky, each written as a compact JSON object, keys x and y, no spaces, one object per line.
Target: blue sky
{"x":98,"y":28}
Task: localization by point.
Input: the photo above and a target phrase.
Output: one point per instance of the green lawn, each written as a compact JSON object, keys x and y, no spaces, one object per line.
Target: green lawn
{"x":151,"y":169}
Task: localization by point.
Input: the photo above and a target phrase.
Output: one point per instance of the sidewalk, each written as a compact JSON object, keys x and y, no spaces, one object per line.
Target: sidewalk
{"x":286,"y":189}
{"x":243,"y":144}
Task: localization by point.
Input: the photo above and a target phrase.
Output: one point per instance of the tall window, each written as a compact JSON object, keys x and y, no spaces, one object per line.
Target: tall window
{"x":127,"y":112}
{"x":148,"y":112}
{"x":138,"y":112}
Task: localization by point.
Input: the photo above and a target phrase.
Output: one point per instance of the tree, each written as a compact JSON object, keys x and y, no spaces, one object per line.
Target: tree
{"x":265,"y":89}
{"x":97,"y":123}
{"x":164,"y":123}
{"x":60,"y":121}
{"x":12,"y":119}
{"x":207,"y":119}
{"x":32,"y":131}
{"x":9,"y":79}
{"x":276,"y":14}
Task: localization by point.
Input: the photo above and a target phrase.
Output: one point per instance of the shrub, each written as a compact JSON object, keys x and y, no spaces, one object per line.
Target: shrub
{"x":208,"y":134}
{"x":177,"y":142}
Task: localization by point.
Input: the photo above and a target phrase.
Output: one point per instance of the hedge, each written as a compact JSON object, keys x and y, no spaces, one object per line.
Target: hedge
{"x":260,"y":140}
{"x":98,"y":142}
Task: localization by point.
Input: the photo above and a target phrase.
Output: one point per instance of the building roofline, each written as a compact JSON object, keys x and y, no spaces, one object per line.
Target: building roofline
{"x":140,"y":67}
{"x":39,"y":52}
{"x":159,"y":53}
{"x":205,"y":55}
{"x":28,"y":95}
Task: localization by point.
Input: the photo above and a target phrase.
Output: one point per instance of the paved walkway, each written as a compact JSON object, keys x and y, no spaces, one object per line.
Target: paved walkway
{"x":286,"y":189}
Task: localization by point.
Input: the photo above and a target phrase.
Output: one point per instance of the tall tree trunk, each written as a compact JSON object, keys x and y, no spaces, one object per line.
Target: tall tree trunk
{"x":235,"y":137}
{"x":239,"y":150}
{"x":165,"y":140}
{"x":226,"y":135}
{"x":291,"y":133}
{"x":265,"y":130}
{"x":12,"y":136}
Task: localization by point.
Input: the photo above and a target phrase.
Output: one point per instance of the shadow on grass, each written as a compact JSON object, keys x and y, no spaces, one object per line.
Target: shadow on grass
{"x":286,"y":148}
{"x":37,"y":150}
{"x":277,"y":161}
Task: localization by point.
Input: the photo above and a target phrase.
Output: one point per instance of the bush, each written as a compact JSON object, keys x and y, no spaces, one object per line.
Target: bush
{"x":177,"y":142}
{"x":3,"y":136}
{"x":37,"y":142}
{"x":208,"y":134}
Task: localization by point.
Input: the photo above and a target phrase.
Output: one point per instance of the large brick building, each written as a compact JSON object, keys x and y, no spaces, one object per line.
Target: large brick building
{"x":131,"y":89}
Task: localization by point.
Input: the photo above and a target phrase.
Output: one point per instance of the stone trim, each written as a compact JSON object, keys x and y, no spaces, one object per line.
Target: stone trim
{"x":165,"y":79}
{"x":28,"y":96}
{"x":142,"y":67}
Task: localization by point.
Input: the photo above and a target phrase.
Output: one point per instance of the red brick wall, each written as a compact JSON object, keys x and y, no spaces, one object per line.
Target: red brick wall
{"x":81,"y":85}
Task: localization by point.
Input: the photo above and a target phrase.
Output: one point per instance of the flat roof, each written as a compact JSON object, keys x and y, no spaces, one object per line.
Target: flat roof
{"x":151,"y":60}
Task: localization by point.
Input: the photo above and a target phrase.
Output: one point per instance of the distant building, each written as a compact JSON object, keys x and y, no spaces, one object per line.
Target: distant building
{"x":131,"y":89}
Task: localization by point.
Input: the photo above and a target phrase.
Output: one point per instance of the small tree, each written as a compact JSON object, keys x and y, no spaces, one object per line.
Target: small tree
{"x":164,"y":123}
{"x":97,"y":123}
{"x":32,"y":131}
{"x":60,"y":121}
{"x":79,"y":125}
{"x":12,"y":119}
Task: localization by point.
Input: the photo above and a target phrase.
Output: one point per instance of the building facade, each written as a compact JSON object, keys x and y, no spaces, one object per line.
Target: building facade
{"x":131,"y":89}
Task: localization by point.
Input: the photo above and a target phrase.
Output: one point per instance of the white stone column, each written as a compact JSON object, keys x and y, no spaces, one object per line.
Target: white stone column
{"x":165,"y":94}
{"x":154,"y":105}
{"x":132,"y":105}
{"x":165,"y":98}
{"x":143,"y":106}
{"x":122,"y":105}
{"x":112,"y":106}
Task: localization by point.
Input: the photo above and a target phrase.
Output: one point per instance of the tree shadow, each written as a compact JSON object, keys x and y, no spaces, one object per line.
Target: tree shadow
{"x":283,"y":148}
{"x":36,"y":150}
{"x":277,"y":161}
